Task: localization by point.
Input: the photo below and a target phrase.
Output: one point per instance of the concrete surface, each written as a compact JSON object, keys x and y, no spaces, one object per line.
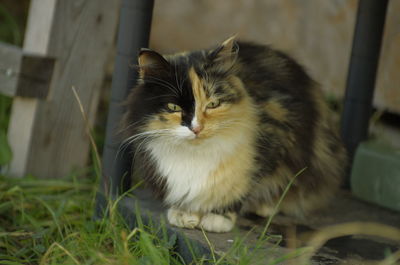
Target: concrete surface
{"x":285,"y":233}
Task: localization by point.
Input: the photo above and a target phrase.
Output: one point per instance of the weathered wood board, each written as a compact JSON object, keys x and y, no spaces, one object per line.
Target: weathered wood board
{"x":48,"y":137}
{"x":23,"y":74}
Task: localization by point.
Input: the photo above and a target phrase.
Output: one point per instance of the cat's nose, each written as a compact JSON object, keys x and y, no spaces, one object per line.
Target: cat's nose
{"x":196,"y":129}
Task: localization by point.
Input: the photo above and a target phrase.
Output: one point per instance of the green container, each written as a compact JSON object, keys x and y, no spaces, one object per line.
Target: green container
{"x":375,"y":176}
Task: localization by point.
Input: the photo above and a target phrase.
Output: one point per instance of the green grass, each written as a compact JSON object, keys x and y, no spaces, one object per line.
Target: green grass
{"x":50,"y":222}
{"x":5,"y":150}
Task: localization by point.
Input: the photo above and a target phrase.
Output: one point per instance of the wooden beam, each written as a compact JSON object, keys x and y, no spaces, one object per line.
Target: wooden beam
{"x":24,"y":110}
{"x":48,"y":138}
{"x":23,"y":74}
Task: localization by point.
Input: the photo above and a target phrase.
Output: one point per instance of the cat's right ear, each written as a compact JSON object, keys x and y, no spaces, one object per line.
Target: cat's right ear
{"x":151,"y":63}
{"x":225,"y":55}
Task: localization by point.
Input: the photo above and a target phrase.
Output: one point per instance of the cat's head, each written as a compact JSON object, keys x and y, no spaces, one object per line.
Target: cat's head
{"x":188,"y":97}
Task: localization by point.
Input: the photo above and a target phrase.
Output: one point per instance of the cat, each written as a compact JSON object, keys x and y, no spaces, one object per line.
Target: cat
{"x":223,"y":131}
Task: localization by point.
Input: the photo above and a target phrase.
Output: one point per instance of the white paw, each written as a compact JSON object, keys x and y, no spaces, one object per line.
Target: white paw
{"x":182,"y":219}
{"x":218,"y":223}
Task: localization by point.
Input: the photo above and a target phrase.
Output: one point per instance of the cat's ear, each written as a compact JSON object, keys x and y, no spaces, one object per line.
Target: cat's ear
{"x":151,"y":63}
{"x":225,"y":55}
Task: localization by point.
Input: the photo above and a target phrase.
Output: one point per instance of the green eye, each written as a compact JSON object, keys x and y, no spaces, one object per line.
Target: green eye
{"x":173,"y":107}
{"x":213,"y":104}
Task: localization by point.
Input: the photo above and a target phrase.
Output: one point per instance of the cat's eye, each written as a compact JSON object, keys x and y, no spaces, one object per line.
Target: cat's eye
{"x":213,"y":104}
{"x":173,"y":107}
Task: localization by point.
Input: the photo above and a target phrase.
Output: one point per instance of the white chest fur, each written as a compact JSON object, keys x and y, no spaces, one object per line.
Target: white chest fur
{"x":186,"y":168}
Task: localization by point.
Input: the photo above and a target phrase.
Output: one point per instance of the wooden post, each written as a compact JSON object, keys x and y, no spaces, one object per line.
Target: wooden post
{"x":48,"y":137}
{"x":23,"y":74}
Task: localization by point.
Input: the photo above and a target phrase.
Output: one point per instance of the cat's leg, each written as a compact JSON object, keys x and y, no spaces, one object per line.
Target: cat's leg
{"x":264,"y":210}
{"x":218,"y":222}
{"x":181,"y":218}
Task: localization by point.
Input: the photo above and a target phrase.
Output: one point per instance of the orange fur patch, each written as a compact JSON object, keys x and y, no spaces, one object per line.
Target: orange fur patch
{"x":199,"y":94}
{"x":275,"y":109}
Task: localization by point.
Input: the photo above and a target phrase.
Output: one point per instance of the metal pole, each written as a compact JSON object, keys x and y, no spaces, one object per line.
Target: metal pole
{"x":362,"y":72}
{"x":133,"y":34}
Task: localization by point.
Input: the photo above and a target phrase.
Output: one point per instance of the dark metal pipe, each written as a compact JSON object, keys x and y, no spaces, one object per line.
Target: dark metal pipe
{"x":362,"y":72}
{"x":133,"y":34}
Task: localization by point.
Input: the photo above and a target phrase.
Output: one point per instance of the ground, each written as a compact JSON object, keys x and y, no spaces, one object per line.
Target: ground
{"x":345,"y":213}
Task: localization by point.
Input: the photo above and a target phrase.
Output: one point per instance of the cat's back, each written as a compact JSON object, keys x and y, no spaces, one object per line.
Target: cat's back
{"x":285,"y":95}
{"x":295,"y":124}
{"x":267,"y":72}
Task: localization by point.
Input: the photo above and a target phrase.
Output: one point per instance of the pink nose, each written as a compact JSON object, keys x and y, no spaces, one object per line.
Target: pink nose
{"x":197,"y":129}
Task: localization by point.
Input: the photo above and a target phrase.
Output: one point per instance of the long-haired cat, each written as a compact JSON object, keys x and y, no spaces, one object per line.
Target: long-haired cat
{"x":223,"y":131}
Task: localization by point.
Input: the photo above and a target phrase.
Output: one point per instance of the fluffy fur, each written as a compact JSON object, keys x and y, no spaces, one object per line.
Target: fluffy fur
{"x":224,"y":130}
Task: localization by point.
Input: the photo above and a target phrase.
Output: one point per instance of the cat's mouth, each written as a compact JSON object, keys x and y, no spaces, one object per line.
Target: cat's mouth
{"x":195,"y":137}
{"x":186,"y":134}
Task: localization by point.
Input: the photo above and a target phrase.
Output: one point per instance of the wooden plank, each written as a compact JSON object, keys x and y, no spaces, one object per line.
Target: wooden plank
{"x":23,"y":74}
{"x":20,"y":133}
{"x":23,"y":113}
{"x":35,"y":76}
{"x":80,"y":36}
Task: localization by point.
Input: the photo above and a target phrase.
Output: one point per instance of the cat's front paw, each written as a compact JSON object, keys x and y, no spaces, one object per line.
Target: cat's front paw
{"x":218,"y":223}
{"x":182,"y":219}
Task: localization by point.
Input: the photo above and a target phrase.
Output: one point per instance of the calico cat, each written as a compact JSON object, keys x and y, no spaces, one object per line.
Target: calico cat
{"x":223,"y":131}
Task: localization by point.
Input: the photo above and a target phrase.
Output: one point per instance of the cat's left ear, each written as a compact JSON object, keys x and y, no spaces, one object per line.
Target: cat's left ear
{"x":225,"y":55}
{"x":151,"y":63}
